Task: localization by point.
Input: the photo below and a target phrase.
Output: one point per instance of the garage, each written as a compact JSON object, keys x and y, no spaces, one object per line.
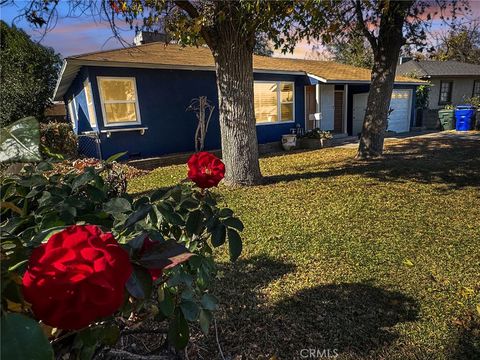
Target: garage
{"x":399,"y":119}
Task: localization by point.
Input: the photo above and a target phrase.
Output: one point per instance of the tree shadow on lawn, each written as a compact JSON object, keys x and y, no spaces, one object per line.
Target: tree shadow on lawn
{"x":355,"y":319}
{"x":452,"y":162}
{"x":466,"y":338}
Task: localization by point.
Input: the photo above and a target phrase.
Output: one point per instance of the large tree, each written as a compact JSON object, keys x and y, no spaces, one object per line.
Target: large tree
{"x":387,"y":26}
{"x":354,"y":51}
{"x":386,"y":41}
{"x":460,"y":43}
{"x":28,"y":72}
{"x":229,"y":28}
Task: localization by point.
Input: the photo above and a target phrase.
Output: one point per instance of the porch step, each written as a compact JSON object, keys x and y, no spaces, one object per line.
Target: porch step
{"x":339,"y":136}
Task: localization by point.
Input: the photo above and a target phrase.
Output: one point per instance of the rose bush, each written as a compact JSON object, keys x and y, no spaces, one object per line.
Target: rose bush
{"x":76,"y":277}
{"x":155,"y":249}
{"x":205,"y":169}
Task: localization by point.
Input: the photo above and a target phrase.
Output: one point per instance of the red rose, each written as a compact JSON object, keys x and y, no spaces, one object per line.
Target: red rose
{"x":77,"y":277}
{"x":205,"y":169}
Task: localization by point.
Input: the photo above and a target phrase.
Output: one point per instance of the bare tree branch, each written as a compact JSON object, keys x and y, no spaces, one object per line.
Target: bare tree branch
{"x":361,"y":25}
{"x":188,"y":7}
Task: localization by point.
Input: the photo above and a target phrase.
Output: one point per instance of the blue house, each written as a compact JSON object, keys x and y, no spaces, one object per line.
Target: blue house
{"x":134,"y":99}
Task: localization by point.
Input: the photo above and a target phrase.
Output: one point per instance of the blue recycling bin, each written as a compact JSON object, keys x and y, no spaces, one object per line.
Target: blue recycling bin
{"x":464,"y":115}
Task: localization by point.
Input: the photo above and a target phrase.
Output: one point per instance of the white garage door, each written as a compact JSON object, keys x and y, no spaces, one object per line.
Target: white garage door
{"x":399,"y":119}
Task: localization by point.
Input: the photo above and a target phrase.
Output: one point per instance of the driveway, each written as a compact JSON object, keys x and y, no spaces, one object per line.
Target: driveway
{"x":450,"y":134}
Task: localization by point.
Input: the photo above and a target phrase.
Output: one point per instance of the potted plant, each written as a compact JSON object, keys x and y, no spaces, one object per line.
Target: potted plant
{"x":316,"y":139}
{"x":289,"y":142}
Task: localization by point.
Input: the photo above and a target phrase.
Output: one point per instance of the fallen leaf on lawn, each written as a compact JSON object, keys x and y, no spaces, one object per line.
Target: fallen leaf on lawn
{"x":408,"y":262}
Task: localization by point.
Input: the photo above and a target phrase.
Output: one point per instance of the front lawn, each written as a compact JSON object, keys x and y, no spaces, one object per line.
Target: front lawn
{"x":375,"y":260}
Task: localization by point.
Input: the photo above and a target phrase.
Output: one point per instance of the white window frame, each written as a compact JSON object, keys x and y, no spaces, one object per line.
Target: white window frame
{"x":92,"y":117}
{"x":72,"y":109}
{"x":450,"y":93}
{"x":103,"y":102}
{"x":475,"y":84}
{"x":279,"y":102}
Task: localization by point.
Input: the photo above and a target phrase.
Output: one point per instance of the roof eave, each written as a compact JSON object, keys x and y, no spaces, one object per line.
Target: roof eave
{"x":69,"y":72}
{"x":60,"y":76}
{"x":71,"y":66}
{"x":63,"y":84}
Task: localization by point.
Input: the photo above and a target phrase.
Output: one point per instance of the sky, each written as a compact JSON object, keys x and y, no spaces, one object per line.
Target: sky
{"x":85,"y":33}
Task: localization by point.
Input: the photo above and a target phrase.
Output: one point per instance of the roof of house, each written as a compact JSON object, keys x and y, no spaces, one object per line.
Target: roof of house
{"x":160,"y":55}
{"x":428,"y":68}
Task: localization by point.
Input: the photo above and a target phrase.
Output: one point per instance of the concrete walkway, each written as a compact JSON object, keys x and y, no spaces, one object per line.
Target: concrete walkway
{"x":450,"y":134}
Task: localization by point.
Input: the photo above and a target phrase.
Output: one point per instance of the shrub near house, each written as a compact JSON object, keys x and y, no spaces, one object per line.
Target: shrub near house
{"x":89,"y":265}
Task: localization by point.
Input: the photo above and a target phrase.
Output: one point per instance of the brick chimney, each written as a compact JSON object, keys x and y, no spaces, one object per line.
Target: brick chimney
{"x":145,"y":37}
{"x":404,"y":59}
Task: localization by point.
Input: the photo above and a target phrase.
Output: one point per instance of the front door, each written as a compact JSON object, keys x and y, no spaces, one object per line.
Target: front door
{"x":310,"y":105}
{"x":338,"y":113}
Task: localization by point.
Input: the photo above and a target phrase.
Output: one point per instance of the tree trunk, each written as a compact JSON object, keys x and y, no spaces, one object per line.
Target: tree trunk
{"x":234,"y":69}
{"x":386,"y":50}
{"x":378,"y":105}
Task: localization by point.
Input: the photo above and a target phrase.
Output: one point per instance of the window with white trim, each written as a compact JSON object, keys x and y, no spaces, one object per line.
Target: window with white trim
{"x":90,"y":107}
{"x":118,"y":96}
{"x":274,"y":101}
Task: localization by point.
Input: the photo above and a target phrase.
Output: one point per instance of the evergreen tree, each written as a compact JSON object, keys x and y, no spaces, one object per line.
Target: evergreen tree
{"x":28,"y":73}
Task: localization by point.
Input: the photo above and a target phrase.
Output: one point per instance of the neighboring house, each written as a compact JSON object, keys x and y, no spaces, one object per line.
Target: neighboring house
{"x":56,"y":112}
{"x":135,"y":98}
{"x":452,"y":82}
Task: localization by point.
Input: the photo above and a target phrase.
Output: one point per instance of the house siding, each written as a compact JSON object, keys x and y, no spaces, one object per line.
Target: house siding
{"x":77,"y":93}
{"x":163,"y":96}
{"x":462,"y":88}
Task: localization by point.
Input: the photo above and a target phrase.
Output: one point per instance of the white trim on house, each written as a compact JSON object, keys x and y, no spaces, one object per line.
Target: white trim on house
{"x":92,"y":116}
{"x":323,"y":80}
{"x":279,"y":102}
{"x":102,"y":101}
{"x":110,"y":131}
{"x":318,"y":98}
{"x":59,"y":80}
{"x":275,"y":123}
{"x":345,"y":109}
{"x":343,"y":81}
{"x":73,"y":112}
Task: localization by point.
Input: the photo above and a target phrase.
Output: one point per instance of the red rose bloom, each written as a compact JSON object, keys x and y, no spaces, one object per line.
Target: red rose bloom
{"x":77,"y":277}
{"x":205,"y":169}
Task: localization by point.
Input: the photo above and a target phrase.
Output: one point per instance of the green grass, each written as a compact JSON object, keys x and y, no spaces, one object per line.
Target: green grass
{"x":378,"y":260}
